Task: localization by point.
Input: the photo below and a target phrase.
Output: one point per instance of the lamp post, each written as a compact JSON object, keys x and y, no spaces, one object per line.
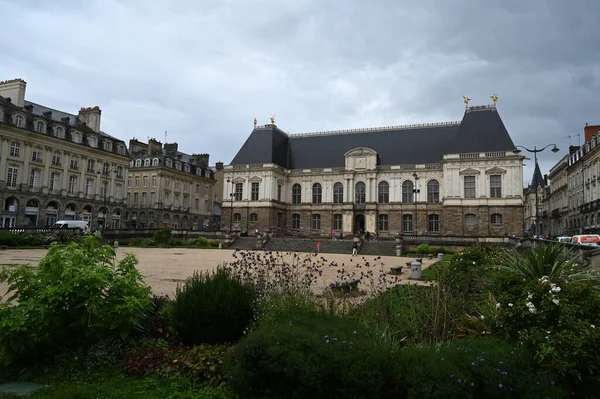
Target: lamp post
{"x":537,"y":201}
{"x":231,"y":194}
{"x":104,"y":176}
{"x":415,"y":192}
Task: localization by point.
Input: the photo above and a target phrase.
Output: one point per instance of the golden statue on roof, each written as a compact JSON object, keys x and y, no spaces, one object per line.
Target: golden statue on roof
{"x":272,"y":119}
{"x":494,"y":98}
{"x":466,"y":99}
{"x":255,"y":122}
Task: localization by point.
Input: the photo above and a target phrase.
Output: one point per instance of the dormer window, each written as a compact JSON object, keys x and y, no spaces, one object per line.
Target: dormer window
{"x":198,"y":171}
{"x":93,"y":141}
{"x":76,"y":136}
{"x":138,"y":163}
{"x":59,"y":132}
{"x":107,"y":145}
{"x":147,"y":162}
{"x":169,"y":163}
{"x":120,"y":150}
{"x":186,"y":168}
{"x":131,"y":164}
{"x":155,"y":162}
{"x":19,"y":120}
{"x":178,"y":165}
{"x":40,"y":127}
{"x":207,"y":174}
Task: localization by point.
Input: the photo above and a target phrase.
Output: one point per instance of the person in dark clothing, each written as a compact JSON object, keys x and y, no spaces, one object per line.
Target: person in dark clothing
{"x":355,"y":249}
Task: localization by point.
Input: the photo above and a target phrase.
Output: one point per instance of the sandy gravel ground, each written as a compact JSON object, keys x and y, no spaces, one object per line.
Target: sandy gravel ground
{"x":163,"y":268}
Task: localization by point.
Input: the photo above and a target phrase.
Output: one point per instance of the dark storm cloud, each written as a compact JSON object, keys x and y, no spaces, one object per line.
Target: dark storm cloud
{"x":204,"y":70}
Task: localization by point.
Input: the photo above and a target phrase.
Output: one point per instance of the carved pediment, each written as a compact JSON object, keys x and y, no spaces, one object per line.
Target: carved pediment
{"x":469,"y":172}
{"x":495,"y":171}
{"x":255,"y":179}
{"x":360,"y":151}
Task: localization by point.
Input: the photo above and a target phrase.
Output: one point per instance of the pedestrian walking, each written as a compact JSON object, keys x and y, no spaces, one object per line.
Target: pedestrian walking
{"x":354,"y":249}
{"x":318,"y":246}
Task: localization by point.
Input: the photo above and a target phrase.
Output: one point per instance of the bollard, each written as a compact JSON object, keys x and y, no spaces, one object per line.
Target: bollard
{"x":220,"y":246}
{"x":440,"y":257}
{"x":415,"y":270}
{"x":116,"y":244}
{"x":398,"y":252}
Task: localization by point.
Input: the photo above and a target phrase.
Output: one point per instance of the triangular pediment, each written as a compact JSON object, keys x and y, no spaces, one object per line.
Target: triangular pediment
{"x":495,"y":171}
{"x":469,"y":172}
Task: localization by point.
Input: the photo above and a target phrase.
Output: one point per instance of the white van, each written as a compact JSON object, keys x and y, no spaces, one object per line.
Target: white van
{"x":586,"y":239}
{"x":73,"y":224}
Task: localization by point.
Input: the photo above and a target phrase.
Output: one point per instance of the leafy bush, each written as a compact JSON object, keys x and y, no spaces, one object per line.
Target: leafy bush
{"x":422,"y":248}
{"x":76,"y":294}
{"x":312,"y":355}
{"x":35,"y":240}
{"x":163,"y":237}
{"x":212,"y":308}
{"x":155,"y":322}
{"x":202,"y":242}
{"x":480,"y":368}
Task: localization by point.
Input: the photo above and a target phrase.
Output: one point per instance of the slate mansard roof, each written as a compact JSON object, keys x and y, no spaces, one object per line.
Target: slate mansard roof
{"x":481,"y":130}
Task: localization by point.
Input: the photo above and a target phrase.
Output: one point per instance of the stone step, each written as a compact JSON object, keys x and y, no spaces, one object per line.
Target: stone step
{"x":381,"y":248}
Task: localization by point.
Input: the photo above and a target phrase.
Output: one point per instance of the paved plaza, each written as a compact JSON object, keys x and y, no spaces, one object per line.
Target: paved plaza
{"x":164,"y":268}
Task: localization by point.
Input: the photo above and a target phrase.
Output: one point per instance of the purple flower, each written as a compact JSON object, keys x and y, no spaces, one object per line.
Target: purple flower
{"x":472,"y":384}
{"x":473,"y":364}
{"x":459,"y":380}
{"x":500,"y":385}
{"x":552,"y":382}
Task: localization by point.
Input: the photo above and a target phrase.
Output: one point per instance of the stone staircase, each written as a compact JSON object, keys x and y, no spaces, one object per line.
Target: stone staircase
{"x":290,"y":244}
{"x":380,"y":248}
{"x":244,"y":243}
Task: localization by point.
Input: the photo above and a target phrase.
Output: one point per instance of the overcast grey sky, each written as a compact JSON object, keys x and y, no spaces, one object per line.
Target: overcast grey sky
{"x":203,"y":69}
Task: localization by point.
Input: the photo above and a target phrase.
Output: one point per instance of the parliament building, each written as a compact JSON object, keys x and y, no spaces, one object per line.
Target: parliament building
{"x":452,"y":178}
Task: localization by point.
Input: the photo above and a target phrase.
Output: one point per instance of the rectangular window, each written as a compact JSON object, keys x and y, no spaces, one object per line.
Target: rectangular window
{"x":89,"y":187}
{"x":384,"y":193}
{"x":91,"y":165}
{"x":496,"y":218}
{"x":237,"y":217}
{"x":34,"y":179}
{"x":470,"y":187}
{"x":129,"y":182}
{"x":36,"y":155}
{"x":153,"y":180}
{"x":338,"y":193}
{"x":296,"y":221}
{"x":167,"y":182}
{"x":177,"y":183}
{"x":135,"y":199}
{"x":143,"y":200}
{"x":496,"y":186}
{"x":56,"y":158}
{"x":186,"y":187}
{"x":337,"y":222}
{"x":316,"y":221}
{"x":54,"y":181}
{"x":152,"y":199}
{"x":118,"y":192}
{"x":15,"y":149}
{"x":72,"y":184}
{"x":254,"y":192}
{"x":74,"y":163}
{"x":197,"y":204}
{"x":197,"y":189}
{"x":279,"y":188}
{"x":433,"y":223}
{"x":177,"y":202}
{"x":206,"y":190}
{"x":238,"y":191}
{"x":145,"y":181}
{"x":383,"y":223}
{"x":13,"y":173}
{"x":137,"y":181}
{"x":103,"y":190}
{"x":407,"y":223}
{"x":296,"y":194}
{"x":105,"y":168}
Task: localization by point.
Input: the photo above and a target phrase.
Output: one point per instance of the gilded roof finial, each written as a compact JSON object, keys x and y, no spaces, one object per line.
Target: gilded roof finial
{"x":255,"y":122}
{"x":466,"y":99}
{"x":494,"y":98}
{"x":272,"y":120}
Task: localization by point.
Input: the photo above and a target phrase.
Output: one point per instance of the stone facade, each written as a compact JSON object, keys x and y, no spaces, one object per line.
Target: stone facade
{"x":169,"y":188}
{"x":57,"y":166}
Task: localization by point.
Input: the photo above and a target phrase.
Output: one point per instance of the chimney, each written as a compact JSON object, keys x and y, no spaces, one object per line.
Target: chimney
{"x":154,"y":146}
{"x":136,"y":146}
{"x":219,"y":166}
{"x":573,"y":149}
{"x":171,"y":148}
{"x":15,"y":90}
{"x":589,"y":131}
{"x":202,"y":159}
{"x":91,"y":117}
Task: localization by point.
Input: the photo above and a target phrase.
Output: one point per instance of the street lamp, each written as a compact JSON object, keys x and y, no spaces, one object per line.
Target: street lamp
{"x":537,"y":202}
{"x":415,"y":192}
{"x":231,"y":194}
{"x":104,"y":176}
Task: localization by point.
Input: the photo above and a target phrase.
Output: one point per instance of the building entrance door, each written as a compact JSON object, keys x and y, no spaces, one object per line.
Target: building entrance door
{"x":359,"y":223}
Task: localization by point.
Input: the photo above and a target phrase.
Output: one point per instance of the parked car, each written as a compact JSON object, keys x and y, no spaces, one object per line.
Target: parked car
{"x":564,"y":239}
{"x":586,"y":239}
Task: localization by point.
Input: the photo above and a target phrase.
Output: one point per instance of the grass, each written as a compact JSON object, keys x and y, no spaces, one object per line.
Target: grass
{"x":430,"y":273}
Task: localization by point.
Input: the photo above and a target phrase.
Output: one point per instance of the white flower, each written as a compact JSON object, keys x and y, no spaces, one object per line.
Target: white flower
{"x":510,"y":305}
{"x":555,"y":301}
{"x":529,"y":295}
{"x":532,"y":310}
{"x":498,"y":306}
{"x":481,"y":317}
{"x":555,"y":290}
{"x":473,"y":262}
{"x":592,"y":326}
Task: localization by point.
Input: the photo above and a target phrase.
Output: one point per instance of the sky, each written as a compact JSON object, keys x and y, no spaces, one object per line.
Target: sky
{"x":203,"y":70}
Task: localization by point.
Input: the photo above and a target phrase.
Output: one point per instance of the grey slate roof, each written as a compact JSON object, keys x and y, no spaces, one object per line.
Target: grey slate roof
{"x":481,"y":130}
{"x":538,"y":179}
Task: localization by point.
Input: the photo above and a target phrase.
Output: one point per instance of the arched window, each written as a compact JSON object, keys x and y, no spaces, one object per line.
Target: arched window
{"x":296,"y":194}
{"x":360,"y":193}
{"x":338,"y":193}
{"x":147,"y":162}
{"x":59,"y":132}
{"x":433,"y":191}
{"x":433,"y":222}
{"x":76,"y":137}
{"x":407,"y":191}
{"x":383,"y":191}
{"x":121,"y":150}
{"x":155,"y":162}
{"x":496,"y":218}
{"x":40,"y":127}
{"x":470,"y":219}
{"x":138,"y":163}
{"x":107,"y":145}
{"x":93,"y":141}
{"x":317,"y":193}
{"x":19,"y":121}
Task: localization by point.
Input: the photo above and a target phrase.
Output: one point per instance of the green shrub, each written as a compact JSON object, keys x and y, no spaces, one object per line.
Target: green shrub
{"x":312,"y":355}
{"x":479,"y":368}
{"x":422,"y":248}
{"x":76,"y":294}
{"x":202,"y":242}
{"x":212,"y":308}
{"x":163,"y":237}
